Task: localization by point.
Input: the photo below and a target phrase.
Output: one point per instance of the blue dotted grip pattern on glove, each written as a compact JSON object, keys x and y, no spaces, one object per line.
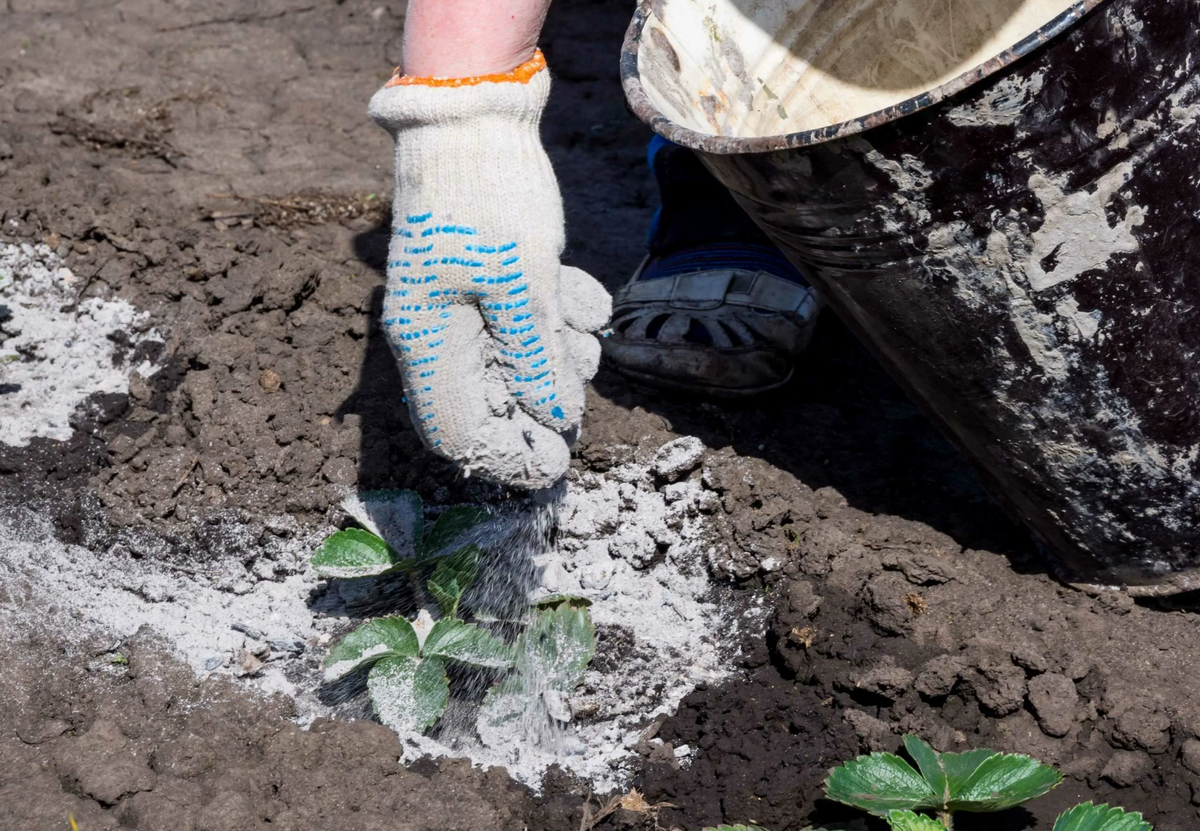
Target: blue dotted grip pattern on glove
{"x":503,"y":308}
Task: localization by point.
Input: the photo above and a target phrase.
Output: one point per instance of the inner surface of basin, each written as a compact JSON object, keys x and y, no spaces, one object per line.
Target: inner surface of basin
{"x":753,"y":68}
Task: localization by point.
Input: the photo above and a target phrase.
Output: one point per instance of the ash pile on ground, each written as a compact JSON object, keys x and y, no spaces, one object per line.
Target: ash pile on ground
{"x":235,"y":604}
{"x":636,"y":541}
{"x":61,"y":347}
{"x":241,"y":601}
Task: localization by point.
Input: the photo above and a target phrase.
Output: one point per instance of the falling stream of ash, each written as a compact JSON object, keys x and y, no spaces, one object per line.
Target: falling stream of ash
{"x":509,"y":576}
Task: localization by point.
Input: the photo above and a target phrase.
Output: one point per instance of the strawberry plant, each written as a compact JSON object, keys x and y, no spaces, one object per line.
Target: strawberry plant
{"x":407,"y":681}
{"x":408,"y":659}
{"x":977,"y":781}
{"x":393,"y":536}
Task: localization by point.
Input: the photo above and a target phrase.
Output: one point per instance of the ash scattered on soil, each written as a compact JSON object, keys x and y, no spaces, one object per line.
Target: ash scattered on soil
{"x":636,"y":541}
{"x":65,"y":347}
{"x":241,"y":609}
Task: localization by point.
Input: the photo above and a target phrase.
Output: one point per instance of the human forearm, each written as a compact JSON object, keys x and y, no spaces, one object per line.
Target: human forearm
{"x":461,"y":38}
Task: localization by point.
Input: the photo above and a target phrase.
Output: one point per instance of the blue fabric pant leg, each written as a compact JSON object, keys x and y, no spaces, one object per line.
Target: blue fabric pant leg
{"x":700,"y":226}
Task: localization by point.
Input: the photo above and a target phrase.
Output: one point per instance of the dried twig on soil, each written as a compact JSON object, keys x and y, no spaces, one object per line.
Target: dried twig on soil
{"x":186,"y":474}
{"x":300,"y":209}
{"x":73,"y":306}
{"x":916,"y":604}
{"x":803,"y":637}
{"x":149,"y":144}
{"x":238,"y":19}
{"x":632,"y":801}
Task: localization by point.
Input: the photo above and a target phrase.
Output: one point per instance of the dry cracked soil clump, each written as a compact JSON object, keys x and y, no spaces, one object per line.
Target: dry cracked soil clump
{"x":212,"y":164}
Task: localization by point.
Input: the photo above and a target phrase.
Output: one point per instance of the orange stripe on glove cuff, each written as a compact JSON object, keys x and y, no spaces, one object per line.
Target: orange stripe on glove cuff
{"x":523,"y":74}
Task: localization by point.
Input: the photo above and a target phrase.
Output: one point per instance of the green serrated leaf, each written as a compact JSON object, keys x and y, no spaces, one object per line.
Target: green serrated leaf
{"x":558,"y":646}
{"x":454,"y":522}
{"x":880,"y":783}
{"x":409,"y":694}
{"x":553,"y":601}
{"x":468,"y":644}
{"x":552,"y":656}
{"x":908,"y":821}
{"x":930,"y":764}
{"x":354,"y":553}
{"x":1089,"y":817}
{"x":447,"y":597}
{"x":395,"y":515}
{"x":1003,"y":781}
{"x":373,"y":641}
{"x":454,"y":574}
{"x":946,"y":773}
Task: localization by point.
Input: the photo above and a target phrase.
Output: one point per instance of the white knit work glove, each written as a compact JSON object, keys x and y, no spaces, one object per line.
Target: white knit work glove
{"x":493,"y":334}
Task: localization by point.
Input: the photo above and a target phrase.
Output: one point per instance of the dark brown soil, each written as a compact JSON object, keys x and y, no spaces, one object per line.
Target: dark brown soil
{"x":212,"y":163}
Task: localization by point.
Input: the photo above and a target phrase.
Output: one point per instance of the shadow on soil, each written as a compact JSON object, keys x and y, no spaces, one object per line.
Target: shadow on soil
{"x":843,"y":423}
{"x":840,"y":423}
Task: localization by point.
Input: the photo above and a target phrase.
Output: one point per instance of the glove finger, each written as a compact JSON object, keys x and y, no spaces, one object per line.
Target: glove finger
{"x":441,"y":351}
{"x":585,"y":353}
{"x":528,"y":328}
{"x":586,"y":304}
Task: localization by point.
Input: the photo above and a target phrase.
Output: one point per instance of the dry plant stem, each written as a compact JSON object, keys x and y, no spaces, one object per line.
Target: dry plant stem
{"x":461,"y":38}
{"x":946,"y":819}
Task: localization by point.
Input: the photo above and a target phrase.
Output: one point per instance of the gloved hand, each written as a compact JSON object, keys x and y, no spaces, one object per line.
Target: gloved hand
{"x":493,"y":335}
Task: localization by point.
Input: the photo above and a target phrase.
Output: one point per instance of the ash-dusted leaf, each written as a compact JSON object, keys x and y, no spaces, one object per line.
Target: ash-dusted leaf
{"x":454,"y":574}
{"x":908,"y":821}
{"x":557,"y":647}
{"x":505,"y":703}
{"x":409,"y":694}
{"x":1003,"y":781}
{"x":354,"y":553}
{"x":447,"y":597}
{"x":880,"y":783}
{"x":946,"y":773}
{"x":552,"y":656}
{"x":374,"y":640}
{"x":1089,"y":817}
{"x":396,"y":516}
{"x":553,"y":601}
{"x":448,"y":528}
{"x":467,"y":643}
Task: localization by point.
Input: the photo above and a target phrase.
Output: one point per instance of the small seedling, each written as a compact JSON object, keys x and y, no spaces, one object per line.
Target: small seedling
{"x":977,"y":781}
{"x":392,"y":537}
{"x":407,"y":681}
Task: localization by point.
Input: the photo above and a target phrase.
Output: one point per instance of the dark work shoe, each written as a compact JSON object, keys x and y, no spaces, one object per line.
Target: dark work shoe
{"x":715,"y":307}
